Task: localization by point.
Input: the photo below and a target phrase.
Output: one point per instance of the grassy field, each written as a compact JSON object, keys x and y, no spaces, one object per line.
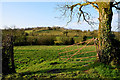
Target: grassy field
{"x":38,"y":62}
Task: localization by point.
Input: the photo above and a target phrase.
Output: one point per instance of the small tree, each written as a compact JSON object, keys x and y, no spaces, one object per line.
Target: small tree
{"x":65,"y":32}
{"x":84,"y":39}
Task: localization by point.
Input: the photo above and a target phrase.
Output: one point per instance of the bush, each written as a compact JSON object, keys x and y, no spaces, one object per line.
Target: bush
{"x":89,"y":37}
{"x":77,"y":39}
{"x":58,"y":42}
{"x":45,"y":40}
{"x":64,"y":40}
{"x":31,"y":40}
{"x":40,"y":40}
{"x":19,"y":36}
{"x":20,"y":40}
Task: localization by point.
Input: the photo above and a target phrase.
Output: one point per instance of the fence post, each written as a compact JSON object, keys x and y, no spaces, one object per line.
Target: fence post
{"x":0,"y":53}
{"x":12,"y":54}
{"x":8,"y":55}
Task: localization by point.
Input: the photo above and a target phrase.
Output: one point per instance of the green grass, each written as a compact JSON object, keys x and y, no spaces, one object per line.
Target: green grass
{"x":28,"y":31}
{"x":48,"y":32}
{"x":37,"y":62}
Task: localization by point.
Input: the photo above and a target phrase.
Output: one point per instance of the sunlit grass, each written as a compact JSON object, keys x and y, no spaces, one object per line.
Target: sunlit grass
{"x":43,"y":62}
{"x":28,"y":31}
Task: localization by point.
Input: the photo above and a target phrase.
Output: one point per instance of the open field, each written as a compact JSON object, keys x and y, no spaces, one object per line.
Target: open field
{"x":43,"y":62}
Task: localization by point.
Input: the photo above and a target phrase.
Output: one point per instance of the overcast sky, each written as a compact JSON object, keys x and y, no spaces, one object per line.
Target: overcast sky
{"x":42,"y":14}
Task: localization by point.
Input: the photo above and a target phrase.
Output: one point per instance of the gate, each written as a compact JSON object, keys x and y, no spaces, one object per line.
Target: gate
{"x":77,"y":54}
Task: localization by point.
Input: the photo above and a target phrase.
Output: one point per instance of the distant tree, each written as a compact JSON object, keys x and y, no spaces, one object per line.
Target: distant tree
{"x":54,"y":28}
{"x":49,"y":28}
{"x":26,"y":34}
{"x":65,"y":32}
{"x":84,"y":39}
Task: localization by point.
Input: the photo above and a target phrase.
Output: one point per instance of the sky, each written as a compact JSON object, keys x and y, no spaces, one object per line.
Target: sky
{"x":43,"y":14}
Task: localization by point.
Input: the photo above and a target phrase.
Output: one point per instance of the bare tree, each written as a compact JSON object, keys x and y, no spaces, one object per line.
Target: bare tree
{"x":108,"y":52}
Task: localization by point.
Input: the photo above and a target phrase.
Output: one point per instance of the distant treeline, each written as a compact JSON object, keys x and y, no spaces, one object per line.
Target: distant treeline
{"x":51,"y":36}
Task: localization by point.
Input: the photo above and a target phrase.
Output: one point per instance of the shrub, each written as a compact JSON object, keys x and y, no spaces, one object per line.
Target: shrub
{"x":45,"y":40}
{"x":84,"y":39}
{"x":31,"y":40}
{"x":40,"y":40}
{"x":20,"y":40}
{"x":77,"y":39}
{"x":19,"y":36}
{"x":65,"y":40}
{"x":58,"y":42}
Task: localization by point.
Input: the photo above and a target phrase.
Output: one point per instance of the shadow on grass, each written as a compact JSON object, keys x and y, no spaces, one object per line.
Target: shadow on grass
{"x":60,"y":70}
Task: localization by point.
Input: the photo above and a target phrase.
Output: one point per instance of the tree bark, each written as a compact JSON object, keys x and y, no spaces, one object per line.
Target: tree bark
{"x":107,"y":50}
{"x":104,"y":33}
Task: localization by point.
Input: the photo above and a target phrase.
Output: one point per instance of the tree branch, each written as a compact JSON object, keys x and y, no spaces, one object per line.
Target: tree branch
{"x":84,"y":4}
{"x":115,"y":5}
{"x":81,"y":12}
{"x":96,"y":7}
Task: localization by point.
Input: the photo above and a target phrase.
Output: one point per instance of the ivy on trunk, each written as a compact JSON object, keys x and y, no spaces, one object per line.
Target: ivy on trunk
{"x":107,"y":51}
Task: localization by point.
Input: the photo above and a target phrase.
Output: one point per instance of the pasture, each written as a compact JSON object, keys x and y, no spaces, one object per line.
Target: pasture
{"x":42,"y":62}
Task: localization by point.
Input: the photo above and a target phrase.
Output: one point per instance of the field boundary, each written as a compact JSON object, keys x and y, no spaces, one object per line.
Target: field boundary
{"x":68,"y":57}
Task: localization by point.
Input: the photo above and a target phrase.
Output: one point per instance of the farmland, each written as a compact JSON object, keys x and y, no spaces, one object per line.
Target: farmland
{"x":40,"y":62}
{"x":40,"y":53}
{"x":37,"y":46}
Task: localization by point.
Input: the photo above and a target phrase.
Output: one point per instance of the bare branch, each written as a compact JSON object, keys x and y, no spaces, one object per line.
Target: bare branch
{"x":115,"y":5}
{"x":96,"y":7}
{"x":79,"y":15}
{"x":81,"y":12}
{"x":68,"y":11}
{"x":84,"y":4}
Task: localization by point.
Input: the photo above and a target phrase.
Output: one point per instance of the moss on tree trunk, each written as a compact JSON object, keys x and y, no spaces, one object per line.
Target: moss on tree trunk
{"x":105,"y":44}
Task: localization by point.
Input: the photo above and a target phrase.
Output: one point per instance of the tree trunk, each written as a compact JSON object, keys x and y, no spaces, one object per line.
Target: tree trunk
{"x":104,"y":38}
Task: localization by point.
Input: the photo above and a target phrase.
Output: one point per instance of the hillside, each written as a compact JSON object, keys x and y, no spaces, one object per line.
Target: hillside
{"x":51,"y":36}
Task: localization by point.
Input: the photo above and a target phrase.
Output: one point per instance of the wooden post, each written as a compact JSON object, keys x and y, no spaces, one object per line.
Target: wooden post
{"x":8,"y":65}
